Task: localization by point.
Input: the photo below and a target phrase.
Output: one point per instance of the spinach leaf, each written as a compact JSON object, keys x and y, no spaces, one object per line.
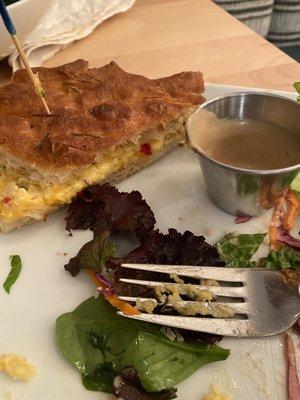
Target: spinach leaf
{"x":16,"y":266}
{"x":236,"y":250}
{"x":94,"y":338}
{"x":127,"y":386}
{"x":284,"y":258}
{"x":100,"y":380}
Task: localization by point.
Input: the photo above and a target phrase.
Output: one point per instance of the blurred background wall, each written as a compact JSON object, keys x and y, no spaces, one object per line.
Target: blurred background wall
{"x":276,"y":20}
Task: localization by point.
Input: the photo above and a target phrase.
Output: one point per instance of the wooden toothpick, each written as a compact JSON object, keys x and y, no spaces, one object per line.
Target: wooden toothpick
{"x":13,"y":33}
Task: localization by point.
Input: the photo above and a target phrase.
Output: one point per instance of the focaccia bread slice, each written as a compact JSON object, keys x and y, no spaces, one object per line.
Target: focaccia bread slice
{"x":105,"y":124}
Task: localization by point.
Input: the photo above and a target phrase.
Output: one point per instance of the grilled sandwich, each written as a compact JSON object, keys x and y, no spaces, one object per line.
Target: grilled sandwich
{"x":105,"y":124}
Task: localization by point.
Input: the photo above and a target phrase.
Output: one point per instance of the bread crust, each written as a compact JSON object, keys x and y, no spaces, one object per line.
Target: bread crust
{"x":94,"y":110}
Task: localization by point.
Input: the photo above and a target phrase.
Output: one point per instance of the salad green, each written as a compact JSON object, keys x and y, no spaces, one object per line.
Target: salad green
{"x":16,"y":266}
{"x":236,"y":250}
{"x":99,"y":343}
{"x":283,"y":258}
{"x":93,"y":255}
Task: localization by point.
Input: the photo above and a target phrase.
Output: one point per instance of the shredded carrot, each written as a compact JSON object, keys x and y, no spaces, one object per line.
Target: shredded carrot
{"x":113,"y":299}
{"x":274,"y":243}
{"x":293,"y":209}
{"x":275,"y":224}
{"x":122,"y":305}
{"x":93,"y":278}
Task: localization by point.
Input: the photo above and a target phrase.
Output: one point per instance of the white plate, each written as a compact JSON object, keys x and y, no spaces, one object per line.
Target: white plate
{"x":175,"y":190}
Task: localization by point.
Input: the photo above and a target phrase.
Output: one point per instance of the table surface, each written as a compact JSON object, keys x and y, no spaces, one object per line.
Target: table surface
{"x":162,"y":37}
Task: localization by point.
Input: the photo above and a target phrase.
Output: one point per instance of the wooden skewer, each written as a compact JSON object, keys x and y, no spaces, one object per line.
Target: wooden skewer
{"x":13,"y":33}
{"x":38,"y":88}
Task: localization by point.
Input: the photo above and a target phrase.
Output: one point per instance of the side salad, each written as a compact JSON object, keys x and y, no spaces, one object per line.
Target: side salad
{"x":142,"y":360}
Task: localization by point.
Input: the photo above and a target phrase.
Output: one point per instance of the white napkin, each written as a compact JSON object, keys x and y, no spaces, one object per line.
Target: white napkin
{"x":63,"y":22}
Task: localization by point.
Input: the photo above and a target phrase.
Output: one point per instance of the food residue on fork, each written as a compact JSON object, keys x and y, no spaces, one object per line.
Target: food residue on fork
{"x":17,"y":367}
{"x":209,"y":282}
{"x":193,"y":308}
{"x":199,"y":303}
{"x":173,"y":292}
{"x":176,"y":278}
{"x":147,"y":306}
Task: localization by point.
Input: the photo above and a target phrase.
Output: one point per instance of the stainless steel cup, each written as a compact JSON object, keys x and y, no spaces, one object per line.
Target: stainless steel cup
{"x":242,"y":191}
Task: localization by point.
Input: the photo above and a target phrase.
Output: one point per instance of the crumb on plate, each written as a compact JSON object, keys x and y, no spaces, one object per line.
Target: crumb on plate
{"x":10,"y":396}
{"x":215,"y":394}
{"x":17,"y":367}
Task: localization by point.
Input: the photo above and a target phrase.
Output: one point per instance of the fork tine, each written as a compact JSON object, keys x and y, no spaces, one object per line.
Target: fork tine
{"x":226,"y":291}
{"x":217,"y":273}
{"x":239,"y":308}
{"x":224,"y":327}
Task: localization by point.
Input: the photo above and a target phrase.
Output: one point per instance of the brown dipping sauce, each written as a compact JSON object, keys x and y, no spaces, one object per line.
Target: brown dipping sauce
{"x":249,"y":144}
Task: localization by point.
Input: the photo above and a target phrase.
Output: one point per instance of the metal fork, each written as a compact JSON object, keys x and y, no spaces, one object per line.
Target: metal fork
{"x":265,"y":305}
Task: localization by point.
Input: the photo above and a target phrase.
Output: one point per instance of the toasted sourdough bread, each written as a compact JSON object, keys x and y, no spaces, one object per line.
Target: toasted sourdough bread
{"x":105,"y":124}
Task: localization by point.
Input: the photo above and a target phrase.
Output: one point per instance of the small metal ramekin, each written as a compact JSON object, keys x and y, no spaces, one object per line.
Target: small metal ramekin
{"x":241,"y":191}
